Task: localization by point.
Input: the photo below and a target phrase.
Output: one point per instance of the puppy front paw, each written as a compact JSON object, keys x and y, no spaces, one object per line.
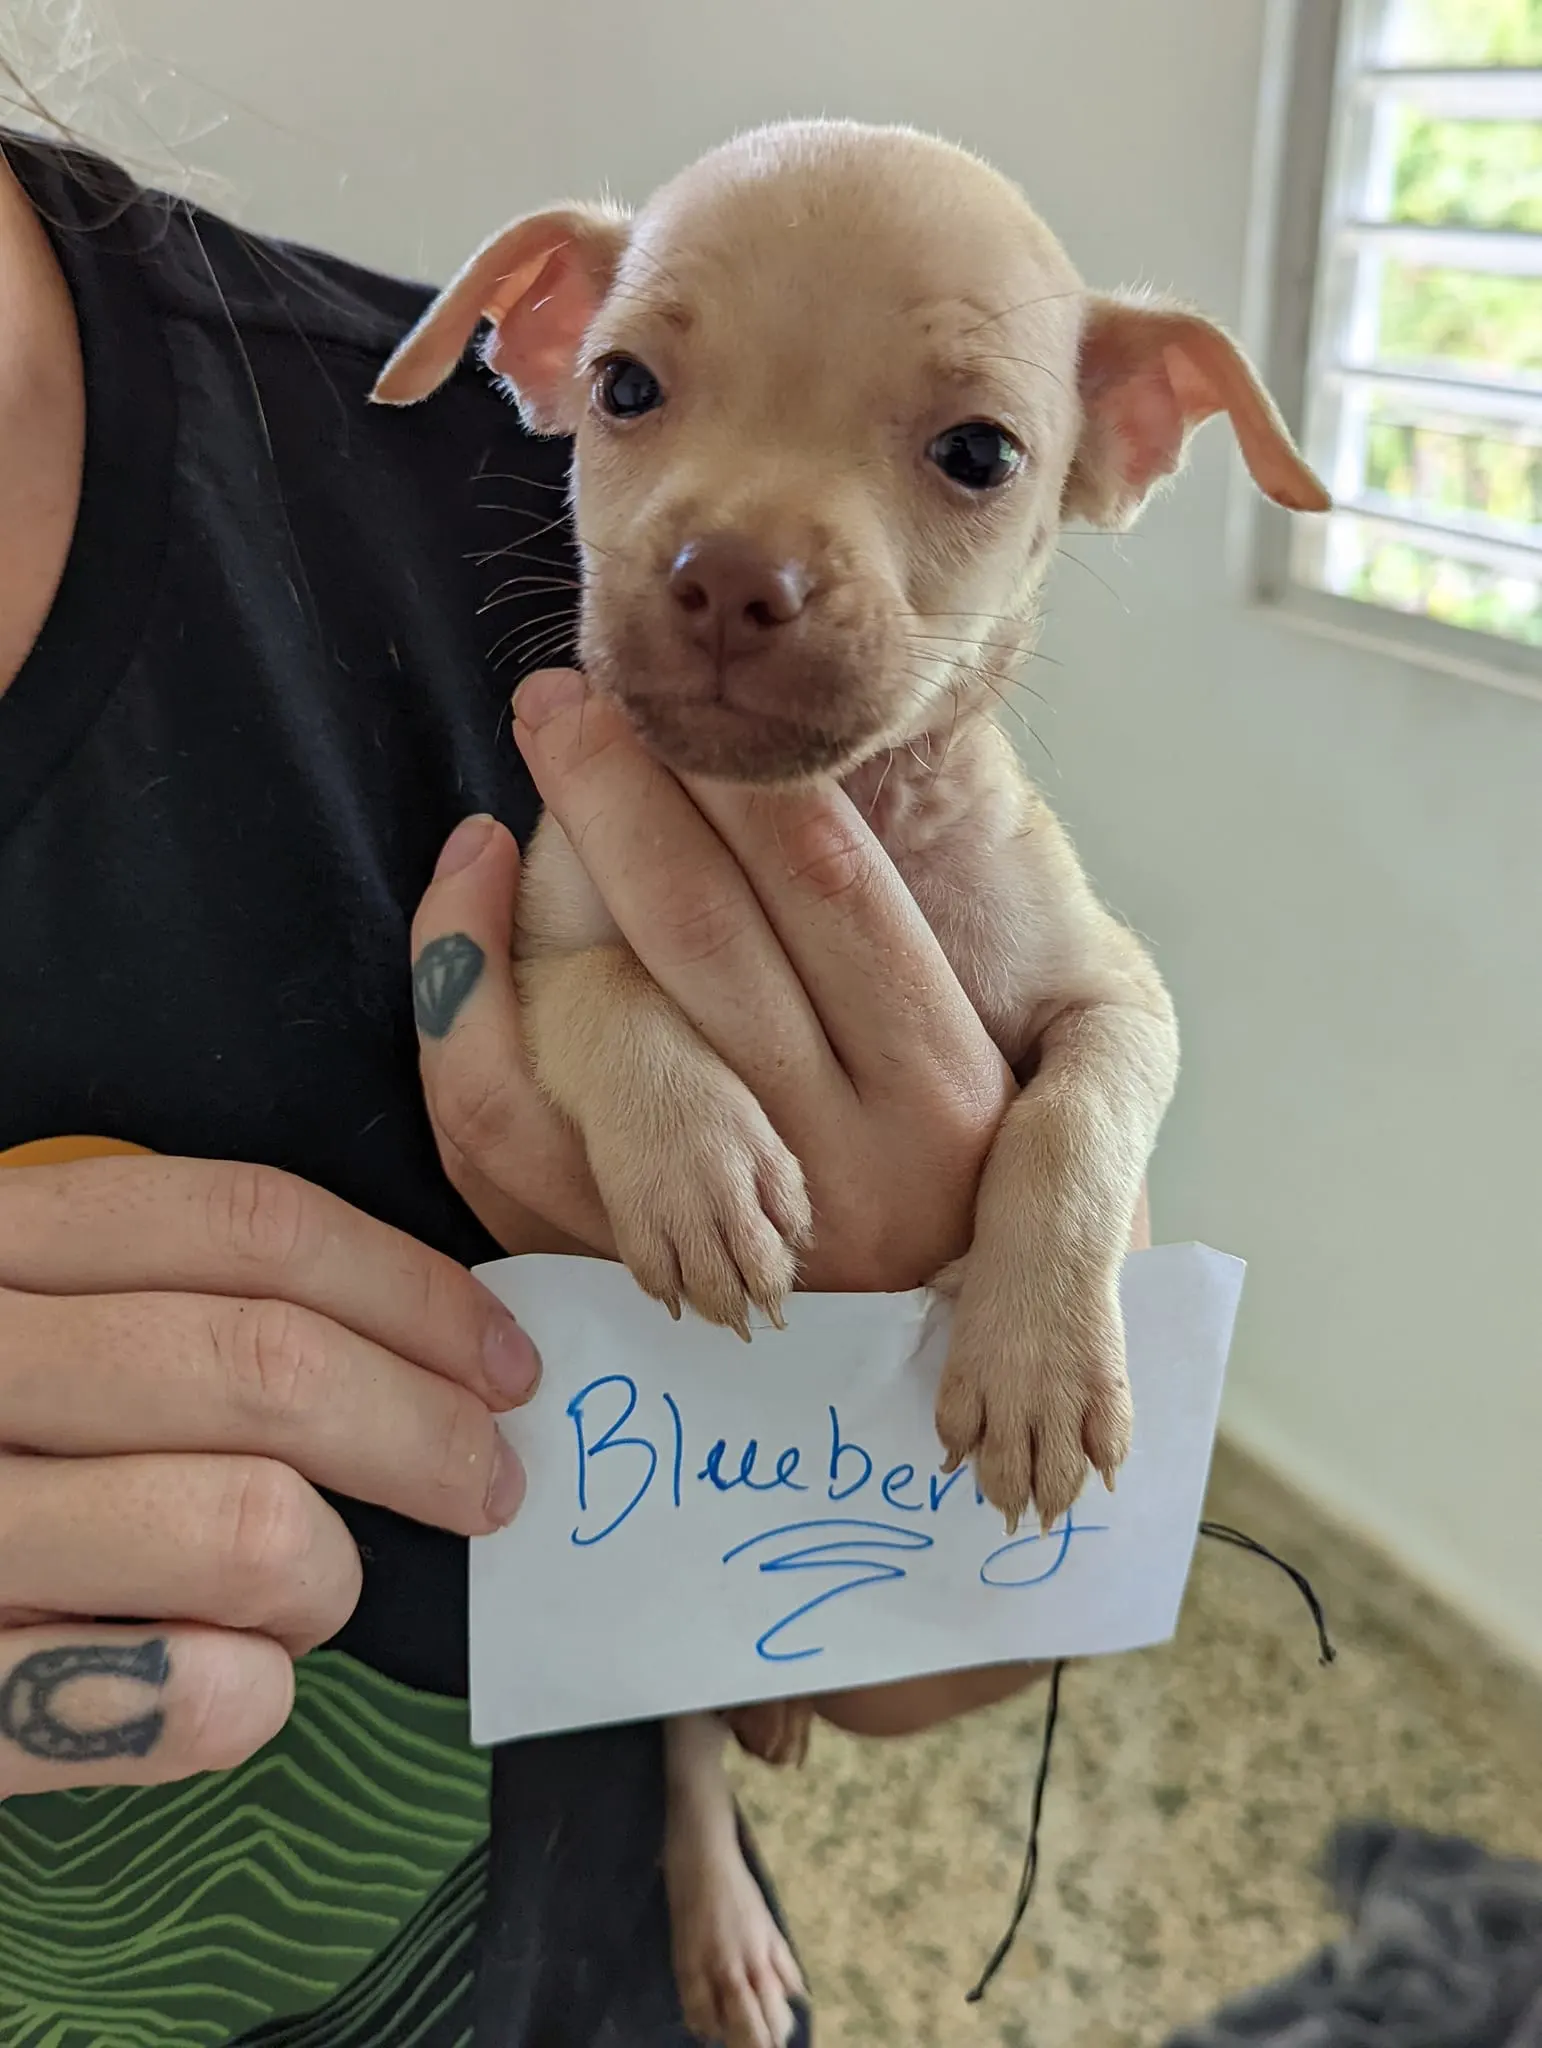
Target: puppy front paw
{"x":708,"y":1205}
{"x":1034,"y":1389}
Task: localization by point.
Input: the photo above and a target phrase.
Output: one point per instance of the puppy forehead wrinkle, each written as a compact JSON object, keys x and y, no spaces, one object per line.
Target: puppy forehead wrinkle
{"x":1033,"y":381}
{"x":958,"y":313}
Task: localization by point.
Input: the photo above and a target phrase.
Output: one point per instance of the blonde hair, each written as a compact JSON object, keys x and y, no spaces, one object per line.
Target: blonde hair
{"x":68,"y":75}
{"x":47,"y":60}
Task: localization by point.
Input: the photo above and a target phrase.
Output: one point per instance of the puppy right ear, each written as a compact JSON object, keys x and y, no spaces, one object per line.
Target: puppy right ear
{"x":540,"y":282}
{"x":1149,"y":374}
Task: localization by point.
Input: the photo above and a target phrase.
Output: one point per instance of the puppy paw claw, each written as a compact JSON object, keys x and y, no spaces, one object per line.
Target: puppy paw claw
{"x":705,"y":1201}
{"x":1036,"y":1397}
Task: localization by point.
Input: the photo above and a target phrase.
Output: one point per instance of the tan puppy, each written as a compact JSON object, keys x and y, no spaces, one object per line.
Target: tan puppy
{"x":834,"y":391}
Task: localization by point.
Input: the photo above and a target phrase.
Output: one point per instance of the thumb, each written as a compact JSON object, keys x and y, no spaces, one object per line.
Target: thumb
{"x":489,"y":1116}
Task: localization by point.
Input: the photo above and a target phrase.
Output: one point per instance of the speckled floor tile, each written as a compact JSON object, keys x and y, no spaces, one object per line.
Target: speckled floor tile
{"x":1193,"y":1789}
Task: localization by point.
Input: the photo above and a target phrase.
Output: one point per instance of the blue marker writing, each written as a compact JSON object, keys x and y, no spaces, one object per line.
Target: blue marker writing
{"x":848,"y":1552}
{"x":609,"y":1440}
{"x":786,"y":1468}
{"x":1030,"y":1568}
{"x":839,"y":1452}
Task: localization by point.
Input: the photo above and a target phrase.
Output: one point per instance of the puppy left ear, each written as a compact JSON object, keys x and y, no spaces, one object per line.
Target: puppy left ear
{"x":1149,"y":374}
{"x":540,"y":282}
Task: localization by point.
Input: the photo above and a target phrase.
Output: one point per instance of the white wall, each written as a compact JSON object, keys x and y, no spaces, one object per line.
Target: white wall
{"x":1340,"y":856}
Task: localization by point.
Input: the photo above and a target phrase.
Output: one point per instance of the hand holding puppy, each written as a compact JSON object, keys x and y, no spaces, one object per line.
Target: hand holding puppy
{"x":781,"y":927}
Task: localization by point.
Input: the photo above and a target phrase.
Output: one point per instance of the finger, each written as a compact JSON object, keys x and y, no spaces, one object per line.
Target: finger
{"x":887,"y":1000}
{"x":771,"y":1996}
{"x":683,"y":904}
{"x":235,"y":1542}
{"x":785,"y":1963}
{"x":187,"y":1372}
{"x":748,"y":2023}
{"x":87,"y":1704}
{"x":115,"y":1226}
{"x":481,"y":1095}
{"x":510,"y":1221}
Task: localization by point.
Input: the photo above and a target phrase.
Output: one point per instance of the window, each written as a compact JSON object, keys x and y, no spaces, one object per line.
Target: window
{"x":1422,"y":396}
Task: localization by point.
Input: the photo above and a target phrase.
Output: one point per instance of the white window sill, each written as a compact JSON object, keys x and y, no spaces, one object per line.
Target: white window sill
{"x":1449,"y":650}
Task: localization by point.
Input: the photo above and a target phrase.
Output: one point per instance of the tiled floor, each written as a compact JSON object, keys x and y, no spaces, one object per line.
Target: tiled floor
{"x":1192,"y":1790}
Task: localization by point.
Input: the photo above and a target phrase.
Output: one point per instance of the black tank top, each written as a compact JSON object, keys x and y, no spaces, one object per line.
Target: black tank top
{"x":275,"y":676}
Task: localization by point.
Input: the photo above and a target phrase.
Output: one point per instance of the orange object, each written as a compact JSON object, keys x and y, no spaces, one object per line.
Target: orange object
{"x":62,"y":1151}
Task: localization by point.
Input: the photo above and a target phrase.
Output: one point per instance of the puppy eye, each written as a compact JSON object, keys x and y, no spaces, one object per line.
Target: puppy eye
{"x":627,"y":388}
{"x":977,"y":454}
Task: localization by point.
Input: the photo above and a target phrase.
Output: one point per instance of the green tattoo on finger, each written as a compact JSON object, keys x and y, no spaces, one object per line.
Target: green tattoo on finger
{"x":446,"y":972}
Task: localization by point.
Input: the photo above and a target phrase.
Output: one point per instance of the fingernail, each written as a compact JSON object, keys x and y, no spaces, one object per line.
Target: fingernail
{"x":543,"y":695}
{"x":468,"y":839}
{"x":506,"y":1488}
{"x":513,"y":1363}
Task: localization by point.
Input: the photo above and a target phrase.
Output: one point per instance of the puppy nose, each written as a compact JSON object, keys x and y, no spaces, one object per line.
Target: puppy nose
{"x":733,"y":594}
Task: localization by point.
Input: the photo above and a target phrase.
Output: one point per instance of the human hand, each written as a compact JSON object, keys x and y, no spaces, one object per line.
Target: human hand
{"x":780,"y":927}
{"x":188,"y":1351}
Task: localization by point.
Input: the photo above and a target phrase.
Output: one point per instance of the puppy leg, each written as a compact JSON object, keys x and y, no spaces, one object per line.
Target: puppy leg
{"x":734,"y":1971}
{"x":708,"y":1205}
{"x":1034,"y":1386}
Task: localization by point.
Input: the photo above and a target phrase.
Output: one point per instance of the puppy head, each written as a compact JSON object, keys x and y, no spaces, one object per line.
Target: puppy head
{"x":833,"y":391}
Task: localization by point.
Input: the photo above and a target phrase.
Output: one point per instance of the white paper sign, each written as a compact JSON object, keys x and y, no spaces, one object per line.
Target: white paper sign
{"x":710,"y":1522}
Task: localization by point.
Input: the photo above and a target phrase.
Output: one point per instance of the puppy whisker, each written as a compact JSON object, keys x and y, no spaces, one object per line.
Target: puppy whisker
{"x":522,"y":586}
{"x":1088,"y":570}
{"x":553,"y":525}
{"x":529,"y":483}
{"x":520,"y":641}
{"x":555,"y":656}
{"x":636,"y":253}
{"x":1014,"y":619}
{"x":550,"y":631}
{"x":1022,"y":306}
{"x":1024,"y":363}
{"x":1013,"y":655}
{"x":549,"y":565}
{"x":1013,"y":711}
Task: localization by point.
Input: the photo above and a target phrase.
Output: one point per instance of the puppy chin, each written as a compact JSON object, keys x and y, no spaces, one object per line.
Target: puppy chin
{"x":685,"y":717}
{"x":724,"y":744}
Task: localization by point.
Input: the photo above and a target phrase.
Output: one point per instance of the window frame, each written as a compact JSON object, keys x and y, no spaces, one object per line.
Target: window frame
{"x":1299,"y":164}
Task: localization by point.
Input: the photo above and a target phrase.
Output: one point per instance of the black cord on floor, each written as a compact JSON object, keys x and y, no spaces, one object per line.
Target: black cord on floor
{"x":1222,"y":1532}
{"x":1031,"y":1859}
{"x":1219,"y":1532}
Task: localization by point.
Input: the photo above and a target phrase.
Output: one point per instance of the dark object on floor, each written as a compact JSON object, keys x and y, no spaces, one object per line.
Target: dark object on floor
{"x":1444,"y":1950}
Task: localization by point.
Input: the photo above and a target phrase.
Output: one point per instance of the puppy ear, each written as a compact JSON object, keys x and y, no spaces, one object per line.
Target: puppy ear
{"x":540,"y":282}
{"x":1150,"y":374}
